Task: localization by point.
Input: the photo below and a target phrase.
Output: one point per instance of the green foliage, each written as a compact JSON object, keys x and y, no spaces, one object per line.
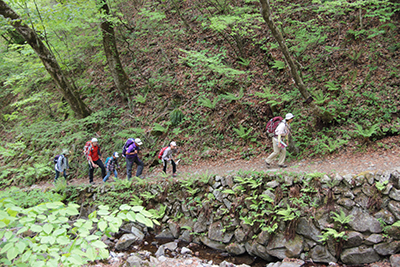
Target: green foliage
{"x":26,"y":199}
{"x":341,"y":217}
{"x":176,"y":116}
{"x":140,"y":99}
{"x":206,"y":102}
{"x":242,"y":132}
{"x":332,"y":233}
{"x":381,"y":186}
{"x":280,"y":65}
{"x":366,"y":133}
{"x":232,"y":97}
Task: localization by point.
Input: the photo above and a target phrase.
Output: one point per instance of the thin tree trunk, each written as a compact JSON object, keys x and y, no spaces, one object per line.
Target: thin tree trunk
{"x":110,"y":48}
{"x":266,"y":13}
{"x":49,"y":61}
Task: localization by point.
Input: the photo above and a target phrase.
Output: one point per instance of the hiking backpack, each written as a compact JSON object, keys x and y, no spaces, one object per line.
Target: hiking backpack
{"x":87,"y":148}
{"x":162,"y":152}
{"x":107,"y":160}
{"x":272,"y":124}
{"x":127,"y":144}
{"x":55,"y":160}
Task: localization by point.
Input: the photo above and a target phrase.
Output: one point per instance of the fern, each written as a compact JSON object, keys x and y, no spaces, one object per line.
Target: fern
{"x":176,"y":116}
{"x":159,"y":128}
{"x":320,"y":97}
{"x":341,"y":217}
{"x":242,"y":132}
{"x":332,"y":86}
{"x":140,"y":99}
{"x":366,"y":133}
{"x":280,"y":65}
{"x":232,"y":97}
{"x":205,"y":102}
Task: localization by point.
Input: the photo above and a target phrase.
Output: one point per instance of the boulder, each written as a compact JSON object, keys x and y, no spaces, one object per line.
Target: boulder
{"x":201,"y":224}
{"x":263,"y":238}
{"x":354,"y":239}
{"x":347,"y":203}
{"x":394,"y":194}
{"x":395,"y":260}
{"x":186,"y":250}
{"x":272,"y":184}
{"x":166,"y":233}
{"x":386,"y":216}
{"x":174,"y":228}
{"x":373,"y":239}
{"x":216,"y":232}
{"x":255,"y":249}
{"x":394,"y":208}
{"x":236,"y":248}
{"x":363,"y":222}
{"x":359,"y":255}
{"x":171,"y":246}
{"x":125,"y":241}
{"x":387,"y":248}
{"x":134,"y":261}
{"x":321,"y":254}
{"x":240,"y":236}
{"x":307,"y":229}
{"x":186,"y":236}
{"x":281,"y":248}
{"x":212,"y":244}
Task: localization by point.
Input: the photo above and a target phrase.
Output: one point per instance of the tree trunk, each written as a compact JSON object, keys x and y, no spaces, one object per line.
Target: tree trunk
{"x":110,"y":48}
{"x":48,"y":60}
{"x":266,"y":13}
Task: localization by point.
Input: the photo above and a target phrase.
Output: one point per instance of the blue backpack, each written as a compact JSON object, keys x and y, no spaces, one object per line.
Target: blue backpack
{"x":107,"y":160}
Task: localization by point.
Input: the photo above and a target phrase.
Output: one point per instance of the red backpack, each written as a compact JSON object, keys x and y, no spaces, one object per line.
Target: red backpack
{"x":87,"y":148}
{"x":162,"y":152}
{"x":272,"y":124}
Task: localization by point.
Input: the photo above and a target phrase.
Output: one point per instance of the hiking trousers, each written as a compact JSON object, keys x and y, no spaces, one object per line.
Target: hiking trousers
{"x":129,"y":165}
{"x":165,"y":162}
{"x":277,"y":151}
{"x":91,"y":170}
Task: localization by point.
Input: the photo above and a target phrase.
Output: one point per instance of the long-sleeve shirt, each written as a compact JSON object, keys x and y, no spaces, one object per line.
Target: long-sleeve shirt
{"x":167,"y":155}
{"x":132,"y":148}
{"x":111,"y":164}
{"x":62,"y":164}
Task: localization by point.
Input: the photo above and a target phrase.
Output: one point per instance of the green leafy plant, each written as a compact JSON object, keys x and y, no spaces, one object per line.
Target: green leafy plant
{"x":381,"y":186}
{"x":140,"y":99}
{"x":176,"y":117}
{"x":243,"y":132}
{"x":232,"y":97}
{"x":278,"y":64}
{"x":366,"y":133}
{"x":206,"y":102}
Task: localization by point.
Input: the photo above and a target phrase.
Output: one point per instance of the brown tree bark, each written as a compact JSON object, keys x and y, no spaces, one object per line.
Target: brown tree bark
{"x":65,"y":88}
{"x":110,"y":48}
{"x":266,"y":13}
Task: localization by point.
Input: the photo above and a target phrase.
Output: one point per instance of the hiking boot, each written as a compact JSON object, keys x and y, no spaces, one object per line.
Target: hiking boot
{"x":93,"y":183}
{"x":282,"y":166}
{"x":174,"y":175}
{"x":268,"y":165}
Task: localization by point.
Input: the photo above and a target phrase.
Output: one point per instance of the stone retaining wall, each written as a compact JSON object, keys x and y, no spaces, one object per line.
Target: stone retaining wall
{"x":279,"y":215}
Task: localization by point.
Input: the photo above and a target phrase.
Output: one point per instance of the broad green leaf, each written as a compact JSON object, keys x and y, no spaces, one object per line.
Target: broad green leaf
{"x":146,"y":213}
{"x":71,"y":211}
{"x":131,"y":216}
{"x":54,"y":205}
{"x":12,"y":253}
{"x":92,"y":237}
{"x":76,"y":259}
{"x":137,"y":208}
{"x":103,"y":253}
{"x":93,"y":215}
{"x":26,"y":255}
{"x":7,"y":247}
{"x":91,"y":253}
{"x":125,"y":207}
{"x":21,"y":247}
{"x":102,"y":225}
{"x":59,"y":232}
{"x":8,"y":235}
{"x":98,"y":244}
{"x":48,"y":228}
{"x":12,"y":212}
{"x":140,"y":218}
{"x":22,"y":230}
{"x":63,"y":240}
{"x":36,"y":228}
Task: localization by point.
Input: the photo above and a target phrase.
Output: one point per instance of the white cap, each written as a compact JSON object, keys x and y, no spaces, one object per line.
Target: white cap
{"x":116,"y":154}
{"x":172,"y":143}
{"x":94,"y":140}
{"x":138,"y":141}
{"x":289,"y":116}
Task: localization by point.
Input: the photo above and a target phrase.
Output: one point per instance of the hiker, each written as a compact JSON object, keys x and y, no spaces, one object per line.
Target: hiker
{"x":133,"y":157}
{"x":282,"y":130}
{"x":167,"y":157}
{"x":94,"y":158}
{"x":111,"y":166}
{"x":61,"y":164}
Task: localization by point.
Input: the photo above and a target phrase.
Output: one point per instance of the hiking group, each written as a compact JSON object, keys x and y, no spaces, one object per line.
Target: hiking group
{"x":277,"y":128}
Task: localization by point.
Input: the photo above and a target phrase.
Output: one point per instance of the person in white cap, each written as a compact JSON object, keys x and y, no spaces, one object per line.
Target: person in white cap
{"x":111,"y":166}
{"x":94,"y":157}
{"x":283,"y":130}
{"x":167,"y":157}
{"x":133,"y":157}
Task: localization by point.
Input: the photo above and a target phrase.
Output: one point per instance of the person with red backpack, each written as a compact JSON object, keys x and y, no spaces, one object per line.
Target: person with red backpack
{"x":167,"y":157}
{"x":282,"y":130}
{"x":94,"y":159}
{"x":132,"y":157}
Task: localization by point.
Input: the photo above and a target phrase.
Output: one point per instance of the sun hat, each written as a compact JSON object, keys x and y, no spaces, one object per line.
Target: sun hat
{"x":116,"y":154}
{"x":289,"y":116}
{"x":65,"y":152}
{"x":138,"y":141}
{"x":173,"y":143}
{"x":94,"y":140}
